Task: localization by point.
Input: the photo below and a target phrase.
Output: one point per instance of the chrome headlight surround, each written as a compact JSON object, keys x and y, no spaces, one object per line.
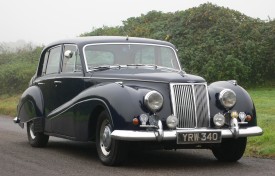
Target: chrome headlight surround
{"x":227,"y":98}
{"x":153,"y":101}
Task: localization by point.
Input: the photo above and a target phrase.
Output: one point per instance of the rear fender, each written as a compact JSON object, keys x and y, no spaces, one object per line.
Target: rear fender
{"x":30,"y":105}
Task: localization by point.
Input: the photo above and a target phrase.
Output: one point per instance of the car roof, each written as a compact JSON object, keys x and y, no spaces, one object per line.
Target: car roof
{"x":81,"y":41}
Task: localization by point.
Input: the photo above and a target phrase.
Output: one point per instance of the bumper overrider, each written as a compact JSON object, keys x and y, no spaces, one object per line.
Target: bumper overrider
{"x":163,"y":135}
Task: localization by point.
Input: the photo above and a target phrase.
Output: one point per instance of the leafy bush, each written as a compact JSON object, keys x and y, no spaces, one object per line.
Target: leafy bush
{"x":16,"y":69}
{"x":214,"y":42}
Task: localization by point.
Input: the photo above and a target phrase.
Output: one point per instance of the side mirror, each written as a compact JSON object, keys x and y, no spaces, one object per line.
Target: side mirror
{"x":68,"y":54}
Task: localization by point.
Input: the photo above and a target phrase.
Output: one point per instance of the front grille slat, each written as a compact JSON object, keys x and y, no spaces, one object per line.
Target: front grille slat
{"x":190,"y":105}
{"x":202,"y":107}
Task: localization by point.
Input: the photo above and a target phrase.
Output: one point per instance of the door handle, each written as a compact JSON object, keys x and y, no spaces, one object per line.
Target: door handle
{"x":57,"y":82}
{"x":40,"y":83}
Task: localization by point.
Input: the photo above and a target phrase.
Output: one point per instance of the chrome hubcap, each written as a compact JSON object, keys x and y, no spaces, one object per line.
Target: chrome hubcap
{"x":31,"y":131}
{"x":105,"y":138}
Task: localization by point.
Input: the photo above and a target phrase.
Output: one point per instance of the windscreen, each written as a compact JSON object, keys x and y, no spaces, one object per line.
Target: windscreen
{"x":130,"y":54}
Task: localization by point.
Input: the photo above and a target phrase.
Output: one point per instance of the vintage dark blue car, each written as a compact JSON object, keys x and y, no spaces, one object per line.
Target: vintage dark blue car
{"x":125,"y":93}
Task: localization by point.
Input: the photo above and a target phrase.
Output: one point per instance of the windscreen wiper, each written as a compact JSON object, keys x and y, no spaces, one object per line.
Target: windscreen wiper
{"x":155,"y":67}
{"x":143,"y":65}
{"x":100,"y":68}
{"x":105,"y":67}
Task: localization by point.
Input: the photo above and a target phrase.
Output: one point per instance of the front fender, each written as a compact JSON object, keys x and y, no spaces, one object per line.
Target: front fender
{"x":122,"y":102}
{"x":30,"y":104}
{"x":244,"y":102}
{"x":78,"y":117}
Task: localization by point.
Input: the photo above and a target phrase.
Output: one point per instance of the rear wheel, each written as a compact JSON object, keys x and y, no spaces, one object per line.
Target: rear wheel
{"x":230,"y":150}
{"x":36,"y":139}
{"x":110,"y":151}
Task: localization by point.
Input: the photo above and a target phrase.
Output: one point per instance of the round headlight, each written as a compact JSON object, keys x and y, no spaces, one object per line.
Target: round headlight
{"x":227,"y":98}
{"x":153,"y":100}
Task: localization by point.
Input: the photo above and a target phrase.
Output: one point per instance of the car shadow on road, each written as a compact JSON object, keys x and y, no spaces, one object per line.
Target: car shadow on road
{"x":158,"y":159}
{"x":187,"y":158}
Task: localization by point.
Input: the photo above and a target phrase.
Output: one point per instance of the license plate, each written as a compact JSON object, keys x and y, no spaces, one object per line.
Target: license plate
{"x":198,"y":137}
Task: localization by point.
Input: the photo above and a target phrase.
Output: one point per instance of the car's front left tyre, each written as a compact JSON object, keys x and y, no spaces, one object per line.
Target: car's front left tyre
{"x":111,"y":152}
{"x":36,"y":139}
{"x":230,"y":150}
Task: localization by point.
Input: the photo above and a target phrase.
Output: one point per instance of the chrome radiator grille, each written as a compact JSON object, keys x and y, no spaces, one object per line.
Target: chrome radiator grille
{"x":190,"y":104}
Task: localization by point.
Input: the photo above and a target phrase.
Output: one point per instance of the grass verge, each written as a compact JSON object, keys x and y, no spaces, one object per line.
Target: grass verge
{"x":263,"y":146}
{"x":8,"y":104}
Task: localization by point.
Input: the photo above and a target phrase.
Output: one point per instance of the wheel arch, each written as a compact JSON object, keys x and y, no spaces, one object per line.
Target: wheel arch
{"x":86,"y":113}
{"x":96,"y":99}
{"x":93,"y":121}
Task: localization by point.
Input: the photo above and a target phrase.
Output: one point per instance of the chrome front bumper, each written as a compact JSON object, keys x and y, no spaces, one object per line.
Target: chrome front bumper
{"x":128,"y":135}
{"x":159,"y":134}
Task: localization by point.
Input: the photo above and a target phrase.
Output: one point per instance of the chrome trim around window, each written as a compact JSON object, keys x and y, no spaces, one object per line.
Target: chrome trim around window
{"x":128,"y":135}
{"x":125,"y":43}
{"x":77,"y":52}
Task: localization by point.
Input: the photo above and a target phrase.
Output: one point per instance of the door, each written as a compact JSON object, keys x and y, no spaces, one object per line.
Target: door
{"x":46,"y":81}
{"x":68,"y":84}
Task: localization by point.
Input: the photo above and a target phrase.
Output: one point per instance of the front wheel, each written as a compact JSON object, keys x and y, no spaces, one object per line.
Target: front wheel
{"x":110,"y":151}
{"x":230,"y":150}
{"x":36,"y":139}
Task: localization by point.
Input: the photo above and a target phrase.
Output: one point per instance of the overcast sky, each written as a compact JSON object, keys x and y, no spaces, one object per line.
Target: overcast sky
{"x":44,"y":21}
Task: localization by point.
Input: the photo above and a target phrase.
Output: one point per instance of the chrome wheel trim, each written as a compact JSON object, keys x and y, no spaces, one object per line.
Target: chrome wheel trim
{"x":31,"y":131}
{"x":105,"y":138}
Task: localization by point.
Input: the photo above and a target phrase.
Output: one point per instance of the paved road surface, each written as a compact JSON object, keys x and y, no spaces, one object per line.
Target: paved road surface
{"x":68,"y":158}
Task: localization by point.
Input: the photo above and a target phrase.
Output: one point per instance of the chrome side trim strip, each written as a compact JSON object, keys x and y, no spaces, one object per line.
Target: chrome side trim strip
{"x":128,"y":135}
{"x":50,"y":117}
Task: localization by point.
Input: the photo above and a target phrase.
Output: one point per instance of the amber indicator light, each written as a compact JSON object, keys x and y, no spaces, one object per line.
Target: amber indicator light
{"x":135,"y":121}
{"x":248,"y":118}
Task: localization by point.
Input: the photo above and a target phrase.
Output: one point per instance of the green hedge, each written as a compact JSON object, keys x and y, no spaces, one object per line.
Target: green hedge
{"x":214,"y":42}
{"x":16,"y":70}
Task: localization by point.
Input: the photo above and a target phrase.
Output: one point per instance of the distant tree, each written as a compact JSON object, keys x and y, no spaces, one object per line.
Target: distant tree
{"x":105,"y":30}
{"x":214,"y":42}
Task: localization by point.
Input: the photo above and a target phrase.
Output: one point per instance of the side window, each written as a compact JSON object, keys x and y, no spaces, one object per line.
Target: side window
{"x":71,"y":59}
{"x":46,"y":56}
{"x":54,"y":60}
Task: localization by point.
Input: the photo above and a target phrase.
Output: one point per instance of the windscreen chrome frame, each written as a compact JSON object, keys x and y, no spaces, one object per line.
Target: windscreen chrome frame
{"x":123,"y":43}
